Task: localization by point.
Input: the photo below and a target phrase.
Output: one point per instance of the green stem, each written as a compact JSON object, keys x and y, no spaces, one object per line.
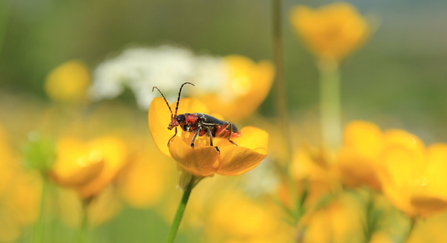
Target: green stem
{"x":370,"y":215}
{"x":281,"y":104}
{"x":39,"y":226}
{"x":83,"y":230}
{"x":179,"y":214}
{"x":330,"y":108}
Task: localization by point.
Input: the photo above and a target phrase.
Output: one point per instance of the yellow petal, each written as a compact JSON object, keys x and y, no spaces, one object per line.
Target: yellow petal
{"x":356,"y":162}
{"x":75,"y":165}
{"x":247,"y":86}
{"x":159,"y":118}
{"x":238,"y":160}
{"x":113,"y":152}
{"x":78,"y":177}
{"x":142,"y":182}
{"x":429,"y":195}
{"x":252,"y":138}
{"x":251,"y":150}
{"x":397,"y":176}
{"x":199,"y":161}
{"x":365,"y":138}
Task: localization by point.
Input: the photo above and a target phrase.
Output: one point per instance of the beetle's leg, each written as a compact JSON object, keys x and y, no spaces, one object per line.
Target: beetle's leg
{"x":231,"y":133}
{"x":195,"y":136}
{"x":211,"y":139}
{"x":175,"y":134}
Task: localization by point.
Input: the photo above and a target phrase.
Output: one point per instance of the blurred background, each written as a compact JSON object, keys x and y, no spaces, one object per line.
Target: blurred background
{"x":398,"y":79}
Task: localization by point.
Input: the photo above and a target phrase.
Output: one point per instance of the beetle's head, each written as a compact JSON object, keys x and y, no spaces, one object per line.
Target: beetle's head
{"x":176,"y":121}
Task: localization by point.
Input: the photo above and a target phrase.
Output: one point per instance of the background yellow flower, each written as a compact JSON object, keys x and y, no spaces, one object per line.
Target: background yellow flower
{"x":90,"y":166}
{"x":246,"y":86}
{"x":331,"y":32}
{"x":68,"y":82}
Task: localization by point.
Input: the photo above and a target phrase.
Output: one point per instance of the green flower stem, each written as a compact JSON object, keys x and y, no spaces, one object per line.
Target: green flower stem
{"x":83,"y":230}
{"x":280,"y":99}
{"x":179,"y":214}
{"x":39,"y":226}
{"x":330,"y":108}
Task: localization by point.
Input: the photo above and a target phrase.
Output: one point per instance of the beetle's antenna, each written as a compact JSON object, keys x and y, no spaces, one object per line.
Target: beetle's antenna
{"x":178,"y":98}
{"x":167,"y":103}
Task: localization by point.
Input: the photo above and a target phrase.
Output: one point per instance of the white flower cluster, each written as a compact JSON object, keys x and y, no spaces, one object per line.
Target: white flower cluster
{"x":166,"y":67}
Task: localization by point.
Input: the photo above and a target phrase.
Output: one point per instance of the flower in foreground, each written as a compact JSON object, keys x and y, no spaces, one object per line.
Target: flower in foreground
{"x":358,"y":159}
{"x":204,"y":160}
{"x":413,"y":175}
{"x":332,"y":31}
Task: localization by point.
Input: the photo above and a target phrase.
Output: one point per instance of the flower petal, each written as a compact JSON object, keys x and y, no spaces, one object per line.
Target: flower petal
{"x":200,"y":161}
{"x":252,"y":138}
{"x":397,"y":177}
{"x":159,"y":118}
{"x":237,"y":160}
{"x":251,"y":150}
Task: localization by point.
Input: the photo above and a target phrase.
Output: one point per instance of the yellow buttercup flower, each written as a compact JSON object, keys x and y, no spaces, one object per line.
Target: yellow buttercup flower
{"x":339,"y":221}
{"x":246,"y":86}
{"x":68,"y":82}
{"x":358,"y":158}
{"x":412,"y":175}
{"x":204,"y":160}
{"x":88,"y":166}
{"x":332,"y":31}
{"x":241,"y":219}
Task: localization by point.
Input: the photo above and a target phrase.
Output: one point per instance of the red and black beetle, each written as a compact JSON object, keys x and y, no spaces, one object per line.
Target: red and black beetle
{"x":199,"y":123}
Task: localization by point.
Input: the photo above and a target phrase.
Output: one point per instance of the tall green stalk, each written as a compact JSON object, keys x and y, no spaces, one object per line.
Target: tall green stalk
{"x":83,"y":230}
{"x":330,"y":107}
{"x":179,"y":214}
{"x":39,"y":226}
{"x":280,"y":87}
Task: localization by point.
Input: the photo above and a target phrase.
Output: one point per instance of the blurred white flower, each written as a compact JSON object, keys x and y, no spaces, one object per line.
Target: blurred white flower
{"x":261,"y":180}
{"x":166,"y":67}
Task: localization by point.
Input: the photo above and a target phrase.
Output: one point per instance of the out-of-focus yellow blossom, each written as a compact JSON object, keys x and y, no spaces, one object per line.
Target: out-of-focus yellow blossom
{"x":88,"y":166}
{"x":358,"y":158}
{"x":141,"y":181}
{"x":312,"y":169}
{"x":247,"y":85}
{"x":332,"y":31}
{"x":340,"y":221}
{"x":102,"y":208}
{"x":430,"y":230}
{"x":241,"y":219}
{"x":68,"y":82}
{"x":204,"y":160}
{"x":20,"y":193}
{"x":413,"y":176}
{"x":19,"y":206}
{"x":232,"y":216}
